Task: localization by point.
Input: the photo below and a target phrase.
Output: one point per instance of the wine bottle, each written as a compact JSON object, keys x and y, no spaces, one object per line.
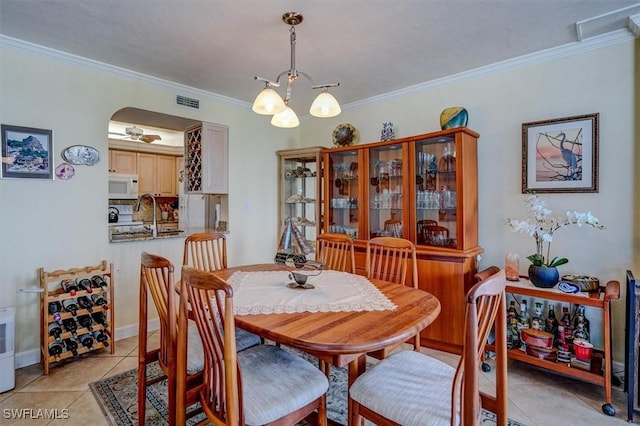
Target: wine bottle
{"x":71,"y":326}
{"x":72,"y":346}
{"x":71,"y":306}
{"x":523,"y":322}
{"x":87,"y":341}
{"x":513,"y":341}
{"x":85,"y":303}
{"x":57,"y":318}
{"x":551,"y":325}
{"x":99,"y":318}
{"x":55,"y":331}
{"x":54,"y":307}
{"x":55,"y":350}
{"x":85,"y":284}
{"x":538,"y":321}
{"x":99,"y":300}
{"x":101,"y":337}
{"x":86,"y":322}
{"x":98,"y":282}
{"x":69,"y":286}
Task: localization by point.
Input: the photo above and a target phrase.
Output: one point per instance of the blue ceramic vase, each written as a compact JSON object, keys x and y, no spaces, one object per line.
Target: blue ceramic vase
{"x":453,"y":117}
{"x":543,"y":276}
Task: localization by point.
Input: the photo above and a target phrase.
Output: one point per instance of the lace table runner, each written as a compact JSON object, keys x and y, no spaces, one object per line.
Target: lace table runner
{"x":266,"y":292}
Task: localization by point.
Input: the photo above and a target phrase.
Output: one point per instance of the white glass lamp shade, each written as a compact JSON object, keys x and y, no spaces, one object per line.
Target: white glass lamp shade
{"x":268,"y":102}
{"x":325,"y":105}
{"x":286,"y":119}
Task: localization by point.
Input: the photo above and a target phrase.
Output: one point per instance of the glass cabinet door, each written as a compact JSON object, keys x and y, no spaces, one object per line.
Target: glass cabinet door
{"x":300,"y":197}
{"x":342,"y":175}
{"x":386,"y":190}
{"x":436,"y":198}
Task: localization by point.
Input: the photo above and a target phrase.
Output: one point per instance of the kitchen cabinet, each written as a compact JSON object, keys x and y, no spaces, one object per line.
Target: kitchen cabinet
{"x":207,"y":159}
{"x":68,"y":328}
{"x":125,"y":162}
{"x":157,"y":174}
{"x":423,"y":188}
{"x":299,"y":185}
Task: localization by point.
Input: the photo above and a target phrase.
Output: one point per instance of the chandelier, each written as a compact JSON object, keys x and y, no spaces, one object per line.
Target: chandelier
{"x":269,"y":102}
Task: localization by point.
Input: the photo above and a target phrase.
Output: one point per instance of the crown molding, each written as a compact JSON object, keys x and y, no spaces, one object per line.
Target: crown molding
{"x":81,"y":62}
{"x":548,"y":55}
{"x":596,"y":42}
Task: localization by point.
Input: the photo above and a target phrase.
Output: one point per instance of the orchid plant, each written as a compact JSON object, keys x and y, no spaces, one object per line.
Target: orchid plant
{"x":541,"y":225}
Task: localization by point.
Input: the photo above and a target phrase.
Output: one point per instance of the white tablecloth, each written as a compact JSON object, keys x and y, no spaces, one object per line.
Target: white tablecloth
{"x":266,"y":292}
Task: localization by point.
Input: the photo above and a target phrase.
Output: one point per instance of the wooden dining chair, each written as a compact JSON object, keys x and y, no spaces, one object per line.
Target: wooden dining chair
{"x":389,"y":259}
{"x":157,"y":280}
{"x":336,"y":252}
{"x":262,"y":385}
{"x":207,"y":251}
{"x":421,"y":226}
{"x":411,"y":388}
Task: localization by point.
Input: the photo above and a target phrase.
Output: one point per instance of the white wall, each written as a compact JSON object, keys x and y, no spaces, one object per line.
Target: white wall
{"x":600,"y":80}
{"x":61,"y":224}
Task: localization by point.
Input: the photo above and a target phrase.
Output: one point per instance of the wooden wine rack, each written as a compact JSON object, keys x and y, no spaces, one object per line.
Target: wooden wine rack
{"x":52,"y":292}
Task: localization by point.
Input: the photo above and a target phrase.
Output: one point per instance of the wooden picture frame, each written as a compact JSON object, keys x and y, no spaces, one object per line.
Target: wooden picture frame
{"x":26,"y":152}
{"x":560,"y":155}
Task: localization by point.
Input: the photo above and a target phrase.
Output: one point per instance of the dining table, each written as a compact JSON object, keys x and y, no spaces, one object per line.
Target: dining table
{"x":374,"y":314}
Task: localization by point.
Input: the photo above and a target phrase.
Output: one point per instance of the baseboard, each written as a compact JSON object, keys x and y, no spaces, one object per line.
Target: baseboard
{"x":32,"y":356}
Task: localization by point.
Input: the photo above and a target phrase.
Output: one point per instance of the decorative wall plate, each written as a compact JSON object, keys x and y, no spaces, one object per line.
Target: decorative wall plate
{"x":344,"y":135}
{"x":81,"y":155}
{"x":65,"y":171}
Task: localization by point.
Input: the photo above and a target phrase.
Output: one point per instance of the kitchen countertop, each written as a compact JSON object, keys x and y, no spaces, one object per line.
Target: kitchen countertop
{"x":162,"y":234}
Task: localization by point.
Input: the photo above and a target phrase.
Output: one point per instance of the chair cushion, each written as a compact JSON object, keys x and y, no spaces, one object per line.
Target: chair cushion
{"x":245,"y":339}
{"x":409,"y":388}
{"x":276,"y":382}
{"x":195,"y":350}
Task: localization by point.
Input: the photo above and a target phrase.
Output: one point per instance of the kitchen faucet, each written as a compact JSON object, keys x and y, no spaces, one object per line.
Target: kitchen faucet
{"x":154,"y":226}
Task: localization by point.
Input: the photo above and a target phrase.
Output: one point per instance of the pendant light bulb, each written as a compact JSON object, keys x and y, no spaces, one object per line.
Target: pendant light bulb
{"x":268,"y":102}
{"x":286,"y":119}
{"x":325,"y":105}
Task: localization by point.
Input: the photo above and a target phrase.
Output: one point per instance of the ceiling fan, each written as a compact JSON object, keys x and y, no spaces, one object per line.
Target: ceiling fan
{"x":137,"y":134}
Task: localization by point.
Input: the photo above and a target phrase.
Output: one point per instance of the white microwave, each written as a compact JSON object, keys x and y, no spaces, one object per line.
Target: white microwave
{"x":123,"y":186}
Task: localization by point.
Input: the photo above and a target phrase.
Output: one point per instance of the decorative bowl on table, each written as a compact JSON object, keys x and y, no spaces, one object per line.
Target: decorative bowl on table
{"x":550,"y":354}
{"x":536,"y":338}
{"x":582,"y":349}
{"x":586,"y":283}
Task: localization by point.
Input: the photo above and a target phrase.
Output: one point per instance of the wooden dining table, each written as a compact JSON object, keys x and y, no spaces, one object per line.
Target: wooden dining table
{"x":344,"y":338}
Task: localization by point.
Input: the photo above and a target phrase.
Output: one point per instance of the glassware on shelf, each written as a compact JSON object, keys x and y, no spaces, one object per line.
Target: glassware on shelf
{"x":512,"y":267}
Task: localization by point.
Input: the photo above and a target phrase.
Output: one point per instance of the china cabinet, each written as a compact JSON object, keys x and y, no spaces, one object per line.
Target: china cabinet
{"x":299,"y":191}
{"x":423,"y":188}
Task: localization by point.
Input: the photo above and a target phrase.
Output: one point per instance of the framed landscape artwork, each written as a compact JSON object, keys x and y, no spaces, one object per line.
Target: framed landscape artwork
{"x":560,"y":155}
{"x":27,"y":152}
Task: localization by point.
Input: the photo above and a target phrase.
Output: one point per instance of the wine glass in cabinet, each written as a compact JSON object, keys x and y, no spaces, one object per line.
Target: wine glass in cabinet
{"x":342,"y":191}
{"x":386,"y":187}
{"x":445,"y":197}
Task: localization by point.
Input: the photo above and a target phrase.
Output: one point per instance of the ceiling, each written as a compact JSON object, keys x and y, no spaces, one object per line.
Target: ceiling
{"x":372,"y":47}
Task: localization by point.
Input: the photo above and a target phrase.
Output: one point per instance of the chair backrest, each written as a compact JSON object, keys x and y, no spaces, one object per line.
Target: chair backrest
{"x":485,"y":305}
{"x":206,"y":251}
{"x":485,"y":273}
{"x":388,"y":259}
{"x":422,"y":229}
{"x":336,"y":252}
{"x":211,"y":302}
{"x":157,"y":279}
{"x":436,"y":235}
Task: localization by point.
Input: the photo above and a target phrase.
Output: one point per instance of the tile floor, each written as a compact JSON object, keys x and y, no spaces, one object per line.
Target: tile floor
{"x":536,"y":397}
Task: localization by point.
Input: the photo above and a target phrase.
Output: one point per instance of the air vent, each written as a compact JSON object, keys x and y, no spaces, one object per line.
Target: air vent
{"x":188,"y":102}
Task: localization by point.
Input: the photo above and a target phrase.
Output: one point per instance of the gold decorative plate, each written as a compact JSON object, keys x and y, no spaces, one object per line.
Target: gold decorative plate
{"x":344,"y":135}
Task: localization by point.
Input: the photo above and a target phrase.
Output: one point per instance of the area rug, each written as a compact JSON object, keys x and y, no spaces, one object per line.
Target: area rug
{"x":117,"y":397}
